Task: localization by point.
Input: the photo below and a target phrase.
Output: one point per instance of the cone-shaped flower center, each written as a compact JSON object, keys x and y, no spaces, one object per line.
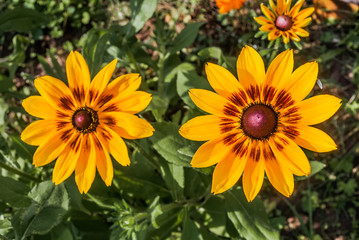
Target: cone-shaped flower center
{"x":283,"y":22}
{"x":259,"y":121}
{"x":85,"y":120}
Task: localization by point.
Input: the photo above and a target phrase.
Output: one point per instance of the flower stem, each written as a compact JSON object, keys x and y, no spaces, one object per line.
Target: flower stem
{"x":18,"y":172}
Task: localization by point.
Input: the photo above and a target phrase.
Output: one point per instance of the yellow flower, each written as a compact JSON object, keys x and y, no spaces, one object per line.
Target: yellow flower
{"x":83,"y":122}
{"x":285,"y":21}
{"x":257,"y":122}
{"x":227,"y":5}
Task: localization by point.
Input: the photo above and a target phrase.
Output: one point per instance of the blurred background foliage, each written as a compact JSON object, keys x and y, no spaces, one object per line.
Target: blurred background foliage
{"x":159,"y":196}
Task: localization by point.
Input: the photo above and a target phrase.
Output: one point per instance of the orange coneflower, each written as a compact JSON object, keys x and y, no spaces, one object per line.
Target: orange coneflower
{"x":83,"y":122}
{"x":257,"y":122}
{"x":227,"y":5}
{"x":285,"y":21}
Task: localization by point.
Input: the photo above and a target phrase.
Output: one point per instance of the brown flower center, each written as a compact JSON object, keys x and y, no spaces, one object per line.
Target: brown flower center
{"x":85,"y":120}
{"x":259,"y":121}
{"x":283,"y":22}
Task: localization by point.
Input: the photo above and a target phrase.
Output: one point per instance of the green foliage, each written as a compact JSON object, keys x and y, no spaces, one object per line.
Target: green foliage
{"x":160,"y":195}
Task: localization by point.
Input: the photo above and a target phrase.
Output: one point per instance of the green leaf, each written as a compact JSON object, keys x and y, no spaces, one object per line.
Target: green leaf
{"x":14,"y":192}
{"x":174,"y":178}
{"x":211,"y":52}
{"x":21,"y":20}
{"x":249,"y":219}
{"x":94,"y":49}
{"x":141,"y":10}
{"x":186,"y":37}
{"x":188,"y":80}
{"x":155,"y":211}
{"x":190,"y":229}
{"x":166,"y":140}
{"x":315,"y":166}
{"x":50,"y":204}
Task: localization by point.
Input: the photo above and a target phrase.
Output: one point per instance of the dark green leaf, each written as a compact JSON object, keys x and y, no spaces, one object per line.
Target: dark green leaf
{"x":190,"y":229}
{"x":21,"y":20}
{"x":48,"y":209}
{"x":142,"y":10}
{"x":14,"y":192}
{"x":186,"y":37}
{"x":249,"y":219}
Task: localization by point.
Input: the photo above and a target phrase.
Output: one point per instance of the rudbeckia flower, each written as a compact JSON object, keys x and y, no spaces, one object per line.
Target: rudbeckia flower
{"x":83,"y":122}
{"x":227,"y":5}
{"x":257,"y":123}
{"x":285,"y":21}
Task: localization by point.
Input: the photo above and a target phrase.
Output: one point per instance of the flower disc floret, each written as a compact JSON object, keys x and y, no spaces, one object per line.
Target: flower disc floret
{"x":85,"y":120}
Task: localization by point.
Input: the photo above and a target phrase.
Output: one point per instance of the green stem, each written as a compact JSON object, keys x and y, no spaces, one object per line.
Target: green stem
{"x":137,"y":69}
{"x":18,"y":172}
{"x":310,"y":211}
{"x":160,"y":72}
{"x":304,"y":228}
{"x":100,"y":202}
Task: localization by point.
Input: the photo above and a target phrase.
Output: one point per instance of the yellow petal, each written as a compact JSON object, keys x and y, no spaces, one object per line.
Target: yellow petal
{"x":268,"y":13}
{"x":268,"y":28}
{"x":104,"y":164}
{"x":273,"y":35}
{"x":281,"y":6}
{"x":304,"y":14}
{"x":302,"y":80}
{"x":85,"y":170}
{"x":250,"y":60}
{"x":317,"y":109}
{"x":295,"y":9}
{"x":227,"y":172}
{"x":302,"y":23}
{"x":314,"y":139}
{"x":39,"y":132}
{"x":293,"y":36}
{"x":253,"y":178}
{"x":132,"y":102}
{"x":289,"y":154}
{"x":115,"y":145}
{"x":201,"y":128}
{"x":280,"y":70}
{"x":133,"y":125}
{"x":285,"y":37}
{"x":222,"y":80}
{"x":101,"y":80}
{"x":67,"y":161}
{"x":300,"y":32}
{"x":127,"y":82}
{"x":280,"y":177}
{"x":48,"y":151}
{"x":37,"y":106}
{"x":208,"y":101}
{"x":78,"y":74}
{"x":210,"y":153}
{"x":263,"y":21}
{"x":273,"y":7}
{"x":55,"y":91}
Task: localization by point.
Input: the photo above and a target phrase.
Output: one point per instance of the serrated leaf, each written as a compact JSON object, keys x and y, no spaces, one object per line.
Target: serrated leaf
{"x":166,"y":141}
{"x":186,"y":36}
{"x":249,"y":219}
{"x":50,"y":205}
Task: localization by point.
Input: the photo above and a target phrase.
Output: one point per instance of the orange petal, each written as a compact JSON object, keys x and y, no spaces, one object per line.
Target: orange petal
{"x":37,"y":106}
{"x":314,"y":139}
{"x":250,"y":60}
{"x":208,"y":101}
{"x":201,"y":128}
{"x":280,"y":177}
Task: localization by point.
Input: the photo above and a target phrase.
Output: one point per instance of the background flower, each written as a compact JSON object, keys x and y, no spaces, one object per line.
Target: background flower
{"x":227,"y":5}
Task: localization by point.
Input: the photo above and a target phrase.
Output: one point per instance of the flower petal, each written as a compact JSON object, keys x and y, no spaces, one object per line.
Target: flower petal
{"x":302,"y":80}
{"x":210,"y":153}
{"x":115,"y":145}
{"x":221,"y":80}
{"x":127,"y":82}
{"x":104,"y":163}
{"x":268,"y":13}
{"x":133,"y":125}
{"x":289,"y":154}
{"x":250,"y":60}
{"x":273,"y":35}
{"x":280,"y":177}
{"x":201,"y":128}
{"x":314,"y":139}
{"x":78,"y":74}
{"x":99,"y":83}
{"x":208,"y":101}
{"x":317,"y":109}
{"x":253,"y":176}
{"x":263,"y":21}
{"x":302,"y":23}
{"x":55,"y":92}
{"x":85,"y":170}
{"x":300,"y":32}
{"x":304,"y":14}
{"x":280,"y":70}
{"x":39,"y":132}
{"x":132,"y":102}
{"x":37,"y":106}
{"x":67,"y":161}
{"x":227,"y":172}
{"x":295,"y":9}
